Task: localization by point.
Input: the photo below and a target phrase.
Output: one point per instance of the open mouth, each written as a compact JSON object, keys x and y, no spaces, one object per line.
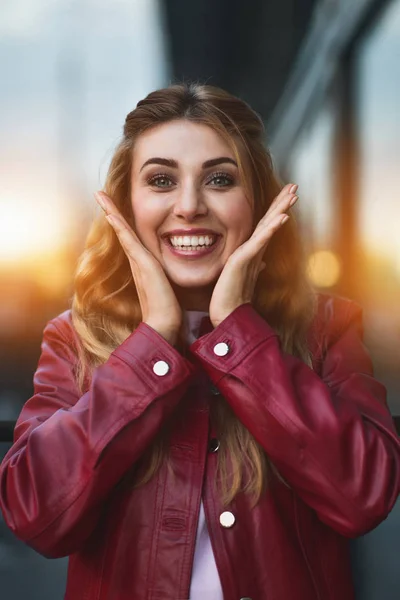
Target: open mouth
{"x":192,"y":246}
{"x":192,"y":243}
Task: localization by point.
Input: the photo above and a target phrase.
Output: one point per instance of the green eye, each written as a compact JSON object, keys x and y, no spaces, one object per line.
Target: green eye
{"x":163,"y":182}
{"x":220,"y":180}
{"x":160,"y":181}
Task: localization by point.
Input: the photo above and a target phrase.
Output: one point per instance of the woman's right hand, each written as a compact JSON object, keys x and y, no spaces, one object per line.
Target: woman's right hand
{"x":159,"y":305}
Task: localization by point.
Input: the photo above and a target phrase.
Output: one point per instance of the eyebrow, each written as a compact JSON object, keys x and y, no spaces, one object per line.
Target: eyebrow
{"x":169,"y":162}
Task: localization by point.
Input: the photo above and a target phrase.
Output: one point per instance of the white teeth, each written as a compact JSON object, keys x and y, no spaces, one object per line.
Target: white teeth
{"x":193,"y":241}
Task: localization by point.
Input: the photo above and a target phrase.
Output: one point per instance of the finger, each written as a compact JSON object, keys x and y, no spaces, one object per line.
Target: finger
{"x":283,"y":202}
{"x":262,"y":236}
{"x":102,"y":200}
{"x":256,"y":245}
{"x":128,"y":239}
{"x":110,"y":209}
{"x":288,"y":189}
{"x":284,"y":205}
{"x":106,"y":204}
{"x":286,"y":198}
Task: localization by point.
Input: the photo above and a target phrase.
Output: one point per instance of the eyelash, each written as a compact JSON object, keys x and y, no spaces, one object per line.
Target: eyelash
{"x":230,"y":180}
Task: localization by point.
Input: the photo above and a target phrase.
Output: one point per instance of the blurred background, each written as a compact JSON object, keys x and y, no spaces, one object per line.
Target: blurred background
{"x":325,"y":77}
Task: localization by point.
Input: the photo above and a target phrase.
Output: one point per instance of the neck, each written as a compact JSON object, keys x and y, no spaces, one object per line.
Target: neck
{"x":194,"y":299}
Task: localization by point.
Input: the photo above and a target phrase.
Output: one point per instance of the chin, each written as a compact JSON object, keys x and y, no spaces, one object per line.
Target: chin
{"x":189,"y":280}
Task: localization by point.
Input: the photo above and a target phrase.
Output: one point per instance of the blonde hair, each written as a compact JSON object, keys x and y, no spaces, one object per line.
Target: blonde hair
{"x":106,"y":309}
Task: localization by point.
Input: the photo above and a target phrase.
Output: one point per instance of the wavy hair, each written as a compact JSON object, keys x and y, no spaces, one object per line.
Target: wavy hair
{"x":105,"y":306}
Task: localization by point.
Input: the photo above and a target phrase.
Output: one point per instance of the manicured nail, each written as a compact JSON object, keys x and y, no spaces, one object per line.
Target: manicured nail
{"x":285,"y":218}
{"x":294,"y":188}
{"x":293,"y":200}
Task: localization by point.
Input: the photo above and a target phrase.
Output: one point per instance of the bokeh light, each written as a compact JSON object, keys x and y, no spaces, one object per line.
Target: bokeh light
{"x":324,"y":268}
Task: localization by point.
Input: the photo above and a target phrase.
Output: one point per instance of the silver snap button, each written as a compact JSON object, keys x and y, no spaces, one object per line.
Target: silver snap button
{"x":160,"y":368}
{"x":221,"y":349}
{"x":227,"y":519}
{"x":213,"y":445}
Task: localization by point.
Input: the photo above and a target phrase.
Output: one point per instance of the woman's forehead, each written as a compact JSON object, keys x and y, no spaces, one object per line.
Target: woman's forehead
{"x":183,"y":141}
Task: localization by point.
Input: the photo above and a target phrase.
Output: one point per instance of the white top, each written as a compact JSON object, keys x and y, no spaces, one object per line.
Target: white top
{"x":205,"y":583}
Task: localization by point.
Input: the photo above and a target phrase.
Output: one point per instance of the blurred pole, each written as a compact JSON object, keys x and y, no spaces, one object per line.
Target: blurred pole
{"x":347,"y":177}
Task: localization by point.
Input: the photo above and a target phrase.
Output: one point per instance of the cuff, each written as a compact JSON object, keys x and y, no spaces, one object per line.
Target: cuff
{"x":228,"y":344}
{"x":153,"y":358}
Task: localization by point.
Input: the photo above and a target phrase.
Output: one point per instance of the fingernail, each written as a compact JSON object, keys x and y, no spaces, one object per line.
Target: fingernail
{"x":285,"y":218}
{"x":294,"y":188}
{"x":293,"y":200}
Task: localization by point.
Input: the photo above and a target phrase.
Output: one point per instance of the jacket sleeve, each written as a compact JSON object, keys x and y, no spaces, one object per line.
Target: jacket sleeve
{"x":330,"y":436}
{"x":70,"y":451}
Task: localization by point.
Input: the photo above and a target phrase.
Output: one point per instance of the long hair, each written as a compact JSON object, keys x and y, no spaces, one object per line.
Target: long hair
{"x":106,"y":309}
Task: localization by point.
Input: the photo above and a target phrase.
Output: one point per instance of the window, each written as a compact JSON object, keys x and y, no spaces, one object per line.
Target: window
{"x":378,"y":217}
{"x":311,"y":165}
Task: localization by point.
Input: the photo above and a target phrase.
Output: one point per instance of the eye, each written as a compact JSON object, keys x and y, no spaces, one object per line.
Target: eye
{"x":160,"y":180}
{"x":220,"y":180}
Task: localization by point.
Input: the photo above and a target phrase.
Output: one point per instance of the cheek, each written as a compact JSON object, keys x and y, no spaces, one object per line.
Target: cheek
{"x":147,"y":218}
{"x":239,"y":220}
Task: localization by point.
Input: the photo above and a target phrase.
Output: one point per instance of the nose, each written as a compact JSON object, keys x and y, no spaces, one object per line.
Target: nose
{"x":190,"y":203}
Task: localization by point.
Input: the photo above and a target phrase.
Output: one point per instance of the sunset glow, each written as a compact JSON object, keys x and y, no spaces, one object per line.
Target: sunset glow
{"x":28,"y":230}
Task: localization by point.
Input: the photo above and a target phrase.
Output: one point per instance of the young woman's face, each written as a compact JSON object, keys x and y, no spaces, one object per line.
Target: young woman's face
{"x":189,"y":204}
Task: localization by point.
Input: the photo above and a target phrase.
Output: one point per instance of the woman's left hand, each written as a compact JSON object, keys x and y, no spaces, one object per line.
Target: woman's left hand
{"x":237,"y":281}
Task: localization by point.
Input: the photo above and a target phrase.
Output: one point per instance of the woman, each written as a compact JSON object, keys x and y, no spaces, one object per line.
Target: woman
{"x":234,"y":465}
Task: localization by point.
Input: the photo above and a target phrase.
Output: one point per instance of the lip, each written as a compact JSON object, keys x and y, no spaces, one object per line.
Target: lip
{"x":190,"y":254}
{"x":192,"y":231}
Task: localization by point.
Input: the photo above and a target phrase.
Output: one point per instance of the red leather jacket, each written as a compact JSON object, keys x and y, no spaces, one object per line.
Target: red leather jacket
{"x":66,"y":484}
